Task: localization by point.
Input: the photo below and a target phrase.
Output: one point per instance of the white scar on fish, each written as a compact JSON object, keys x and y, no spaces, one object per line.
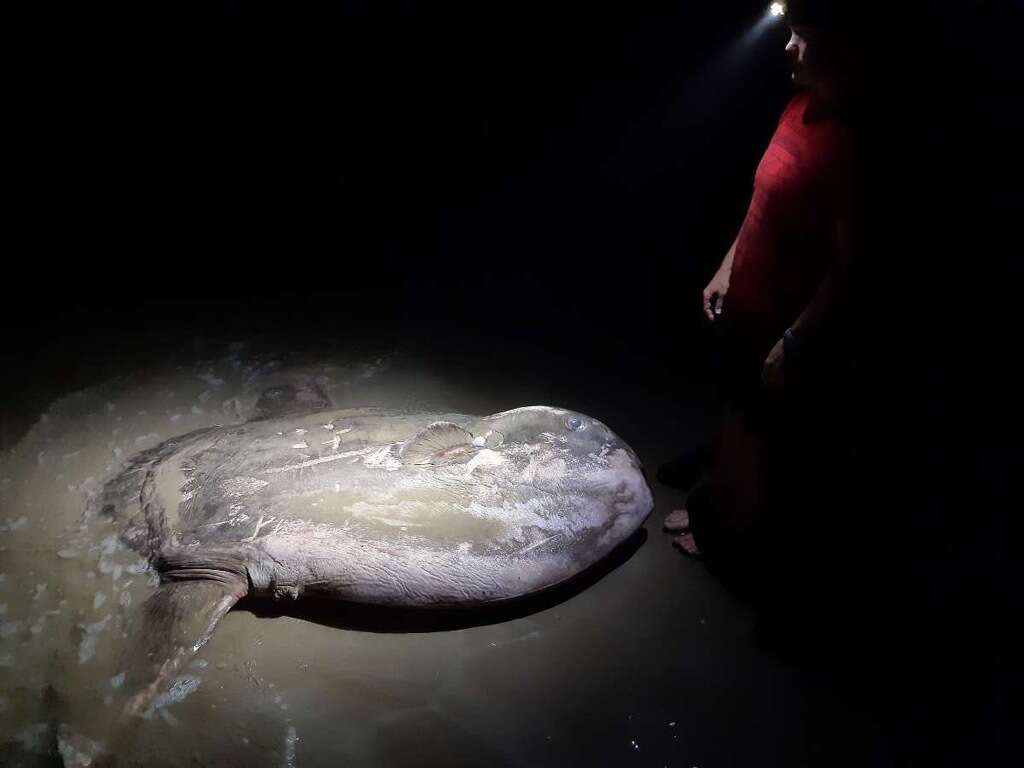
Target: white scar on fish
{"x":321,"y":460}
{"x":538,"y":543}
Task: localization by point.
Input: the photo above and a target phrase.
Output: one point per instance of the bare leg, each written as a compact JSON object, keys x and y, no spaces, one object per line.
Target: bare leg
{"x":736,"y":485}
{"x":739,"y":478}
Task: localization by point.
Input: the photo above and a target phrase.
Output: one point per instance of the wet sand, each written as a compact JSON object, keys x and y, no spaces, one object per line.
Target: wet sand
{"x":648,"y":661}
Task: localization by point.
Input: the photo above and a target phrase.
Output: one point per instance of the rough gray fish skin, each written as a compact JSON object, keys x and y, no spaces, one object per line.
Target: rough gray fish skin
{"x":370,"y":506}
{"x":329,"y":503}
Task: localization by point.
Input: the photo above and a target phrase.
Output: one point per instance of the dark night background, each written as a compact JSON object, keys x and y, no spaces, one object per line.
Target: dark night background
{"x":539,"y":184}
{"x":387,"y":165}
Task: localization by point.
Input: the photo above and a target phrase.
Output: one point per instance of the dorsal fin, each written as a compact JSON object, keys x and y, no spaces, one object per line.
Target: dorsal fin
{"x":439,"y":441}
{"x":292,"y":397}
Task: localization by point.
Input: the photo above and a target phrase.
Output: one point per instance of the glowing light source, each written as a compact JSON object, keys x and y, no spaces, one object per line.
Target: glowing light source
{"x":777,"y":9}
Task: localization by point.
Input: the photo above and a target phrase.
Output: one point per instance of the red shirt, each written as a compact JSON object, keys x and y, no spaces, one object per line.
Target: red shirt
{"x":787,"y":240}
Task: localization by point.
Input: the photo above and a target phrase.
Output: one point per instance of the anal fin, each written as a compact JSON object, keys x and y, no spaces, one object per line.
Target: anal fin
{"x":174,"y":623}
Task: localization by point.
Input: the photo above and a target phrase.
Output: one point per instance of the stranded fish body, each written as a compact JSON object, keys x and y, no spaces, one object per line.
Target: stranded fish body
{"x":369,"y":506}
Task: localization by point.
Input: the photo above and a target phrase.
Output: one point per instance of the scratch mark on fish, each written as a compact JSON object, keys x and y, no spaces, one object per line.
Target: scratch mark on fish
{"x":314,"y":462}
{"x":538,"y":543}
{"x":259,"y":525}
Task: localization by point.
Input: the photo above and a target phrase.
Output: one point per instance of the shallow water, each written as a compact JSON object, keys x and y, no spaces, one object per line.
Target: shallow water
{"x":649,"y":662}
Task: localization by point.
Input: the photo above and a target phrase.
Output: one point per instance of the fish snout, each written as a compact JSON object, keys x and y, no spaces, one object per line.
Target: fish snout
{"x":616,"y":446}
{"x":636,"y":489}
{"x":633,"y":458}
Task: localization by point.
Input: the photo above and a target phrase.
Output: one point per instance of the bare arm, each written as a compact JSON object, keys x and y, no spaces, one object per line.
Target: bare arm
{"x":829,"y":294}
{"x":727,"y":261}
{"x":715,"y":291}
{"x":815,"y":316}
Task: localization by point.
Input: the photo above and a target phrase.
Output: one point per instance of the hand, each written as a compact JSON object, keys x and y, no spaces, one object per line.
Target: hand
{"x":773,"y":372}
{"x":714,"y":295}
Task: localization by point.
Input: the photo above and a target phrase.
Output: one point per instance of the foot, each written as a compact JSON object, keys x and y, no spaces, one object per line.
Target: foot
{"x":686,"y":544}
{"x":677,"y":521}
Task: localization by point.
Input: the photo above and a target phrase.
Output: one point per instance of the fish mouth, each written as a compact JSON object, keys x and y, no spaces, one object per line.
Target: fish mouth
{"x":633,"y":491}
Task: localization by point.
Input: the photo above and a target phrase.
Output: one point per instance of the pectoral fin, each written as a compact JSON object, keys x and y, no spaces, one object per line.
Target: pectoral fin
{"x":439,"y":442}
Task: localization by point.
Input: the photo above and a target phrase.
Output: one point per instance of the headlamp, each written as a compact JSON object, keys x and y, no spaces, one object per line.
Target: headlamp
{"x":777,"y":9}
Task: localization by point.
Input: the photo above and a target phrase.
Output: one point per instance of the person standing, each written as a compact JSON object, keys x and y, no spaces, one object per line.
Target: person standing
{"x":779,"y":283}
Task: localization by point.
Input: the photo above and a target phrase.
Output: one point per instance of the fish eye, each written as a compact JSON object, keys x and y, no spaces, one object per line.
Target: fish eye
{"x":573,"y":423}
